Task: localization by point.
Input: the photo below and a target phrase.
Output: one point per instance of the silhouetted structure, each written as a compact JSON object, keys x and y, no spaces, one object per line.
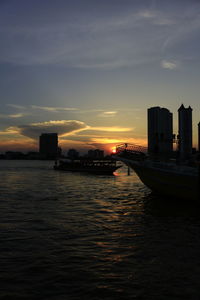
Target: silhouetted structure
{"x":72,"y":154}
{"x":14,"y":155}
{"x":94,"y":166}
{"x":185,"y":131}
{"x":160,"y":131}
{"x":48,"y":145}
{"x":96,"y":154}
{"x":33,"y":155}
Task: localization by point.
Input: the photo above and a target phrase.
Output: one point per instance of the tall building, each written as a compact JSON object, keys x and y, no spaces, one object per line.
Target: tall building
{"x":48,"y":147}
{"x":160,"y":131}
{"x":185,"y":131}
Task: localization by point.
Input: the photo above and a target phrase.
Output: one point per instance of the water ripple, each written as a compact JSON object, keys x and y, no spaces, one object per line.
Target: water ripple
{"x":77,"y":236}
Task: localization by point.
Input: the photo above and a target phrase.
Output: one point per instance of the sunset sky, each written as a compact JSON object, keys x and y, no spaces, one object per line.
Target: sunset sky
{"x":89,"y":69}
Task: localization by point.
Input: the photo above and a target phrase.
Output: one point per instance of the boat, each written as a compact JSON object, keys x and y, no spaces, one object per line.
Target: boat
{"x":105,"y":166}
{"x":167,"y":178}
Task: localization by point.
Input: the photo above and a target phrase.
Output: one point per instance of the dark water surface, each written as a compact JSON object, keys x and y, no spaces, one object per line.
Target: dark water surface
{"x":77,"y":236}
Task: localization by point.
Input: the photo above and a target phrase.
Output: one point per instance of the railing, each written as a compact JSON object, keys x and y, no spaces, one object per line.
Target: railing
{"x":130,"y":148}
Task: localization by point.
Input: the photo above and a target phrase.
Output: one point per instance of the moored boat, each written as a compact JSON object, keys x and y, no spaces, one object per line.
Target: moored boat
{"x":94,"y":166}
{"x":166,"y":178}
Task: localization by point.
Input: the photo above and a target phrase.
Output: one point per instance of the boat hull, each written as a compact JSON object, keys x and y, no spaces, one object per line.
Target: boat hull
{"x":165,"y":182}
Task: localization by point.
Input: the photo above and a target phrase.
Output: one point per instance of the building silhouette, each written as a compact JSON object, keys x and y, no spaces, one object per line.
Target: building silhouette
{"x":160,"y":131}
{"x":185,"y":131}
{"x":48,"y":145}
{"x":72,"y":154}
{"x":96,"y":154}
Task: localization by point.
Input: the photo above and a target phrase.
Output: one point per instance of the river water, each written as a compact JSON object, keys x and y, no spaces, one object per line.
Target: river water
{"x":78,"y":236}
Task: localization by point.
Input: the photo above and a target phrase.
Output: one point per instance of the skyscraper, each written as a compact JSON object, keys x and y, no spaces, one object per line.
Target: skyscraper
{"x":160,"y":131}
{"x":185,"y":131}
{"x":48,"y":145}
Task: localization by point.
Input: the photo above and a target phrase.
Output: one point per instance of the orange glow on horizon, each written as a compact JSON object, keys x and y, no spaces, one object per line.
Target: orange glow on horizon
{"x":113,"y":150}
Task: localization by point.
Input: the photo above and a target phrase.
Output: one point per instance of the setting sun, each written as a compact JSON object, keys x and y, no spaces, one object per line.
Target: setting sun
{"x":113,"y":150}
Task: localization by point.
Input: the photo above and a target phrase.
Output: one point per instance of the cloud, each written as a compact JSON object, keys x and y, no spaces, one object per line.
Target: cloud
{"x":109,"y":113}
{"x":169,"y":65}
{"x":53,"y":109}
{"x":62,"y":127}
{"x":105,"y":140}
{"x":99,"y":140}
{"x":10,"y":131}
{"x":15,"y":144}
{"x":116,"y":40}
{"x":147,"y":14}
{"x":85,"y":111}
{"x":106,"y":114}
{"x":109,"y":64}
{"x":72,"y":133}
{"x":12,"y":116}
{"x":20,"y":115}
{"x":16,"y":106}
{"x":112,"y":129}
{"x":156,"y":17}
{"x":29,"y":108}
